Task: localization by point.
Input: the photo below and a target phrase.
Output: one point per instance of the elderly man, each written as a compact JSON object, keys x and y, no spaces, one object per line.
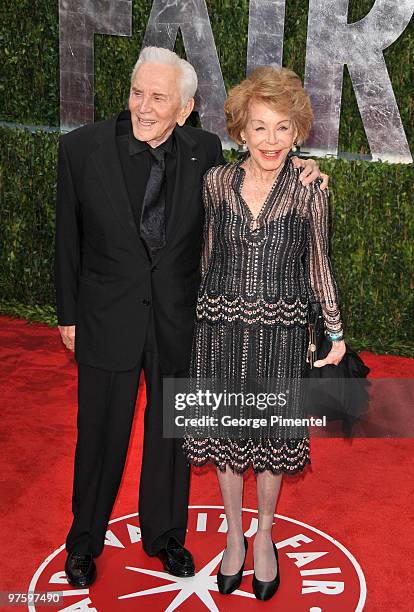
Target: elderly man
{"x":128,"y":239}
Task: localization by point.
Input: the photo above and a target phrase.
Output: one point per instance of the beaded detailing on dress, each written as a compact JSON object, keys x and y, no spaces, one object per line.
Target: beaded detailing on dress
{"x":257,"y":281}
{"x":281,"y":261}
{"x":277,"y":456}
{"x":221,"y":308}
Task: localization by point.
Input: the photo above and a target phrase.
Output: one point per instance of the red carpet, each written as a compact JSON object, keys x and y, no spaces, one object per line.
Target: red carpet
{"x":359,"y":492}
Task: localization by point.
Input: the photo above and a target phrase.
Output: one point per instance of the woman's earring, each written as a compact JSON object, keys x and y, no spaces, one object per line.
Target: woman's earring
{"x":244,"y":145}
{"x":295,"y":147}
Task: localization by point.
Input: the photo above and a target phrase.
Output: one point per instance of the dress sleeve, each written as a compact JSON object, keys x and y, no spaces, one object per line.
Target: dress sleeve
{"x":208,"y":224}
{"x":321,"y":275}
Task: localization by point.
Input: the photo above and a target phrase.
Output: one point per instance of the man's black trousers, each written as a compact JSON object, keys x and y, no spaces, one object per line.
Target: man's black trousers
{"x":106,"y":402}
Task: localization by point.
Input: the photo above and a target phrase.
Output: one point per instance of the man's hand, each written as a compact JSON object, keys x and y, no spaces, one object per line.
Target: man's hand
{"x":311,"y":172}
{"x":67,"y":333}
{"x":334,"y":356}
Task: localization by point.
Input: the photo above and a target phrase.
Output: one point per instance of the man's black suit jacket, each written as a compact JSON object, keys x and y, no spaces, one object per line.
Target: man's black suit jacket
{"x":105,"y":283}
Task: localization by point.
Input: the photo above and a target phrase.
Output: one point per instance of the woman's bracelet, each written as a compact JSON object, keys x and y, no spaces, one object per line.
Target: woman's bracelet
{"x":335,"y":335}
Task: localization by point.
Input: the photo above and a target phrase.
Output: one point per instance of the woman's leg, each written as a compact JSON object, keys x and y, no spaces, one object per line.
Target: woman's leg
{"x":231,"y":486}
{"x":268,"y":487}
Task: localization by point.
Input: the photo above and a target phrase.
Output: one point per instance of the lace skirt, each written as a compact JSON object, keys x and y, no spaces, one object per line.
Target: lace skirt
{"x":242,"y":353}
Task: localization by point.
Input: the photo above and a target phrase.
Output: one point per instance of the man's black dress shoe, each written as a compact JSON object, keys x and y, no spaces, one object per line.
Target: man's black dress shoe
{"x":176,"y":559}
{"x":265,"y":590}
{"x":80,"y":570}
{"x":229,"y":583}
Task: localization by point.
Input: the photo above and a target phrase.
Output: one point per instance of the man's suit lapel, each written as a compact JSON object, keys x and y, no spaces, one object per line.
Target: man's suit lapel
{"x":108,"y":166}
{"x":186,"y":174}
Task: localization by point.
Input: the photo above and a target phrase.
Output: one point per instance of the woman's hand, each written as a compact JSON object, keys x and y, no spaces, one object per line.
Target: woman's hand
{"x":334,"y":356}
{"x":310,"y":173}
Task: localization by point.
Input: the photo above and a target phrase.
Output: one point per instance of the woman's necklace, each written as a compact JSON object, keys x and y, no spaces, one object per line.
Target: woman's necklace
{"x":261,"y":191}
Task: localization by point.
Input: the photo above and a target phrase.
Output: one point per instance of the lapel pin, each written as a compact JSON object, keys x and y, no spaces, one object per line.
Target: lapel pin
{"x":193,"y":159}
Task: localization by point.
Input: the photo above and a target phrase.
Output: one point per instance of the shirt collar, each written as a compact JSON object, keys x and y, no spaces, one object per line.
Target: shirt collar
{"x":136,"y":146}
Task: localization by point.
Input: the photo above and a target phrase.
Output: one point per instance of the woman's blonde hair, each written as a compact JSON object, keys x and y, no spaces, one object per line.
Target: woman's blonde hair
{"x":280,"y":89}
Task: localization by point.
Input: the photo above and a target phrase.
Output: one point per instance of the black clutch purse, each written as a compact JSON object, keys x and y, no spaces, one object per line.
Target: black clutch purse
{"x":339,"y":392}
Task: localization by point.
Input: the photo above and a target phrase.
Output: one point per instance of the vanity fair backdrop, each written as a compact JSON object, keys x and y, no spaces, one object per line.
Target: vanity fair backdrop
{"x":69,"y":61}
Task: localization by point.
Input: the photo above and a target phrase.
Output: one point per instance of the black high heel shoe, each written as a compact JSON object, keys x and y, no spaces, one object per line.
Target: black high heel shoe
{"x":228,"y":584}
{"x":265,"y":590}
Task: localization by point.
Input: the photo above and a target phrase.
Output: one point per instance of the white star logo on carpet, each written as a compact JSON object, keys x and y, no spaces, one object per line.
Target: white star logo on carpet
{"x":317,"y":572}
{"x":201,"y":584}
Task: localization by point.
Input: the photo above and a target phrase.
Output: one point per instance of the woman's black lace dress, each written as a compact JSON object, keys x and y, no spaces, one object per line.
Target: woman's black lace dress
{"x":258,"y":276}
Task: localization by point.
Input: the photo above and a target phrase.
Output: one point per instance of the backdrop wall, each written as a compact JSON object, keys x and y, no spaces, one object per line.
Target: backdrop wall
{"x":371,"y":203}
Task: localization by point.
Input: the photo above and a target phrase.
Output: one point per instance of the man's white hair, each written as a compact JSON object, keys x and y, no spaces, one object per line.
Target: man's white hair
{"x":159,"y":55}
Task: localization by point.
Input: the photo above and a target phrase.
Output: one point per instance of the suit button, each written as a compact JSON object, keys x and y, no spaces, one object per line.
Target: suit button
{"x":146,"y":302}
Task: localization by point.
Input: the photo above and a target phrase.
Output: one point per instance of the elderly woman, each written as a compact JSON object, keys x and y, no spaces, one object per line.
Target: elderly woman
{"x":265,"y":258}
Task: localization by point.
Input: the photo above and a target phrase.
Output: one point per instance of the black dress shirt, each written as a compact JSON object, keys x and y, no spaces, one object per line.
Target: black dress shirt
{"x":136,"y":163}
